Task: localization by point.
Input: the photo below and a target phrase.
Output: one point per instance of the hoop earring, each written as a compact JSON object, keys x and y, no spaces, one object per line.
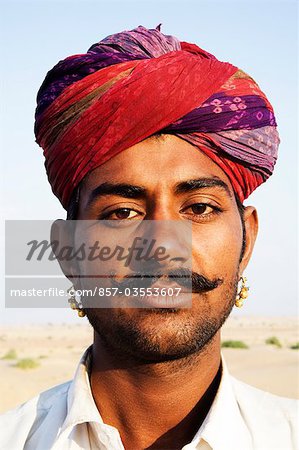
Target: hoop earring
{"x":74,"y":303}
{"x":242,"y":294}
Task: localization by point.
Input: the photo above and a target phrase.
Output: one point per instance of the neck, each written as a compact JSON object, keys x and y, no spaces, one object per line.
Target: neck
{"x":154,"y":405}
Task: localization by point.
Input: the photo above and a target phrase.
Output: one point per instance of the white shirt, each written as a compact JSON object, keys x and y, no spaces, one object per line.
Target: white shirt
{"x":66,"y":417}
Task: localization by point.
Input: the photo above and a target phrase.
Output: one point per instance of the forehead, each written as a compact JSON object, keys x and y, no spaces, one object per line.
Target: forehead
{"x":157,"y":161}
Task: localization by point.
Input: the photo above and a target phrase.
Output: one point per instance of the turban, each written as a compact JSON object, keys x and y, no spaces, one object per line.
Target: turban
{"x":133,"y":84}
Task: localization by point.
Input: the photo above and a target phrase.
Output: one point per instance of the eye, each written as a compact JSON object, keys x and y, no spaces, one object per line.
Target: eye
{"x":201,"y":211}
{"x":120,"y":214}
{"x":201,"y":208}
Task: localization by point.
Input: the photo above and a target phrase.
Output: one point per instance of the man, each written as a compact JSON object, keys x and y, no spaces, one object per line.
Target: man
{"x":144,"y":129}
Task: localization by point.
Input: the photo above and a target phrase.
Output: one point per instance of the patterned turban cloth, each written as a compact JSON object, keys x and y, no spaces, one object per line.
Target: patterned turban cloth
{"x":134,"y":84}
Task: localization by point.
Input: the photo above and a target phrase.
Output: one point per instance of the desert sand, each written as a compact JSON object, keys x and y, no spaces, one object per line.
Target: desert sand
{"x":57,"y":350}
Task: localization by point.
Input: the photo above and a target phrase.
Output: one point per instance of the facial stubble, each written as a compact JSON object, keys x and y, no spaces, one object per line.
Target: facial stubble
{"x":160,"y":335}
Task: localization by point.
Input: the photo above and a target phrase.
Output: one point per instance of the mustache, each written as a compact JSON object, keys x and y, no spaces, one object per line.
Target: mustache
{"x":182,"y":277}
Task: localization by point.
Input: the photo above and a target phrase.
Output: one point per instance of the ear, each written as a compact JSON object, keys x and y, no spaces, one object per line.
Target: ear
{"x":62,"y":243}
{"x":251,"y":229}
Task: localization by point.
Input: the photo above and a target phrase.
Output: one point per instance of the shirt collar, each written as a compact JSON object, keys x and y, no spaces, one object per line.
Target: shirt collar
{"x":223,"y":427}
{"x":81,"y":406}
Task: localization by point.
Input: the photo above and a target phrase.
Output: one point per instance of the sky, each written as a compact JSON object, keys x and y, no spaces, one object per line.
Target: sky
{"x":258,"y":36}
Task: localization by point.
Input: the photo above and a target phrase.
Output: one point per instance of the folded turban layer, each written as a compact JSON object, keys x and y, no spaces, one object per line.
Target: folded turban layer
{"x":134,"y":84}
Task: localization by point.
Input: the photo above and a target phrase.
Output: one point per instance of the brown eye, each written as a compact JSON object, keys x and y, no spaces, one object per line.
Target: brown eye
{"x":122,"y":214}
{"x":199,"y":208}
{"x":202,"y":212}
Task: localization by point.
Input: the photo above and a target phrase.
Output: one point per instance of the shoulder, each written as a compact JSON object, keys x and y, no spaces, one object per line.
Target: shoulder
{"x":42,"y":402}
{"x":258,"y":398}
{"x":273,"y":415}
{"x":29,"y":416}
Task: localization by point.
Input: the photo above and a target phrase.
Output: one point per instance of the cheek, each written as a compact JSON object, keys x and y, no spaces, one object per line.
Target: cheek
{"x":216,"y":248}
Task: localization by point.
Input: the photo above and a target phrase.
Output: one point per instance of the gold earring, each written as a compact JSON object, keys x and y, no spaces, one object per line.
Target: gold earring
{"x":74,"y":303}
{"x":242,"y":294}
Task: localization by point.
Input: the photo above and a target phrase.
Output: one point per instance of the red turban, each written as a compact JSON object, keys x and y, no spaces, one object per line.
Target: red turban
{"x":134,"y":84}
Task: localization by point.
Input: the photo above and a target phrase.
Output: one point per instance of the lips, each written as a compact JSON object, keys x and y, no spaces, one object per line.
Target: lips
{"x":171,"y":295}
{"x":181,"y":301}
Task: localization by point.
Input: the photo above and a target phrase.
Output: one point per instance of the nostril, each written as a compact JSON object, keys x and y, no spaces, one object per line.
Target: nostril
{"x":177,"y":261}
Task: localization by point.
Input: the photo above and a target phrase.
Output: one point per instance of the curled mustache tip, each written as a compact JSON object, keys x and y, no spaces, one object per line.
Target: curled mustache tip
{"x":183,"y":277}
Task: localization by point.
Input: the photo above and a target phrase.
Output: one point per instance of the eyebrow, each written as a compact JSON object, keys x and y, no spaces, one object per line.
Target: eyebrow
{"x":201,"y":183}
{"x":139,"y":192}
{"x":120,"y":189}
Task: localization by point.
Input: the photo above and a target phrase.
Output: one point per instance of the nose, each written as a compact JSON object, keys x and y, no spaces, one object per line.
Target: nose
{"x":167,"y":245}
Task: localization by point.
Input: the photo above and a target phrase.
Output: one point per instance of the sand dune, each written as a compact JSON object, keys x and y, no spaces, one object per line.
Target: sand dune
{"x":57,"y":349}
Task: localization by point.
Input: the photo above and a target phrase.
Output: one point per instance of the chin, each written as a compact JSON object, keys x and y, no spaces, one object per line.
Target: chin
{"x":153,"y":335}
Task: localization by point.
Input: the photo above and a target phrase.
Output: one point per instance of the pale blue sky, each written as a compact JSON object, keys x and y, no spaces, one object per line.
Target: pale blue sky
{"x":258,"y":36}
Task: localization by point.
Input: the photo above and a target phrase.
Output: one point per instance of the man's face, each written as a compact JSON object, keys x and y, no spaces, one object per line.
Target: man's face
{"x":158,"y":166}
